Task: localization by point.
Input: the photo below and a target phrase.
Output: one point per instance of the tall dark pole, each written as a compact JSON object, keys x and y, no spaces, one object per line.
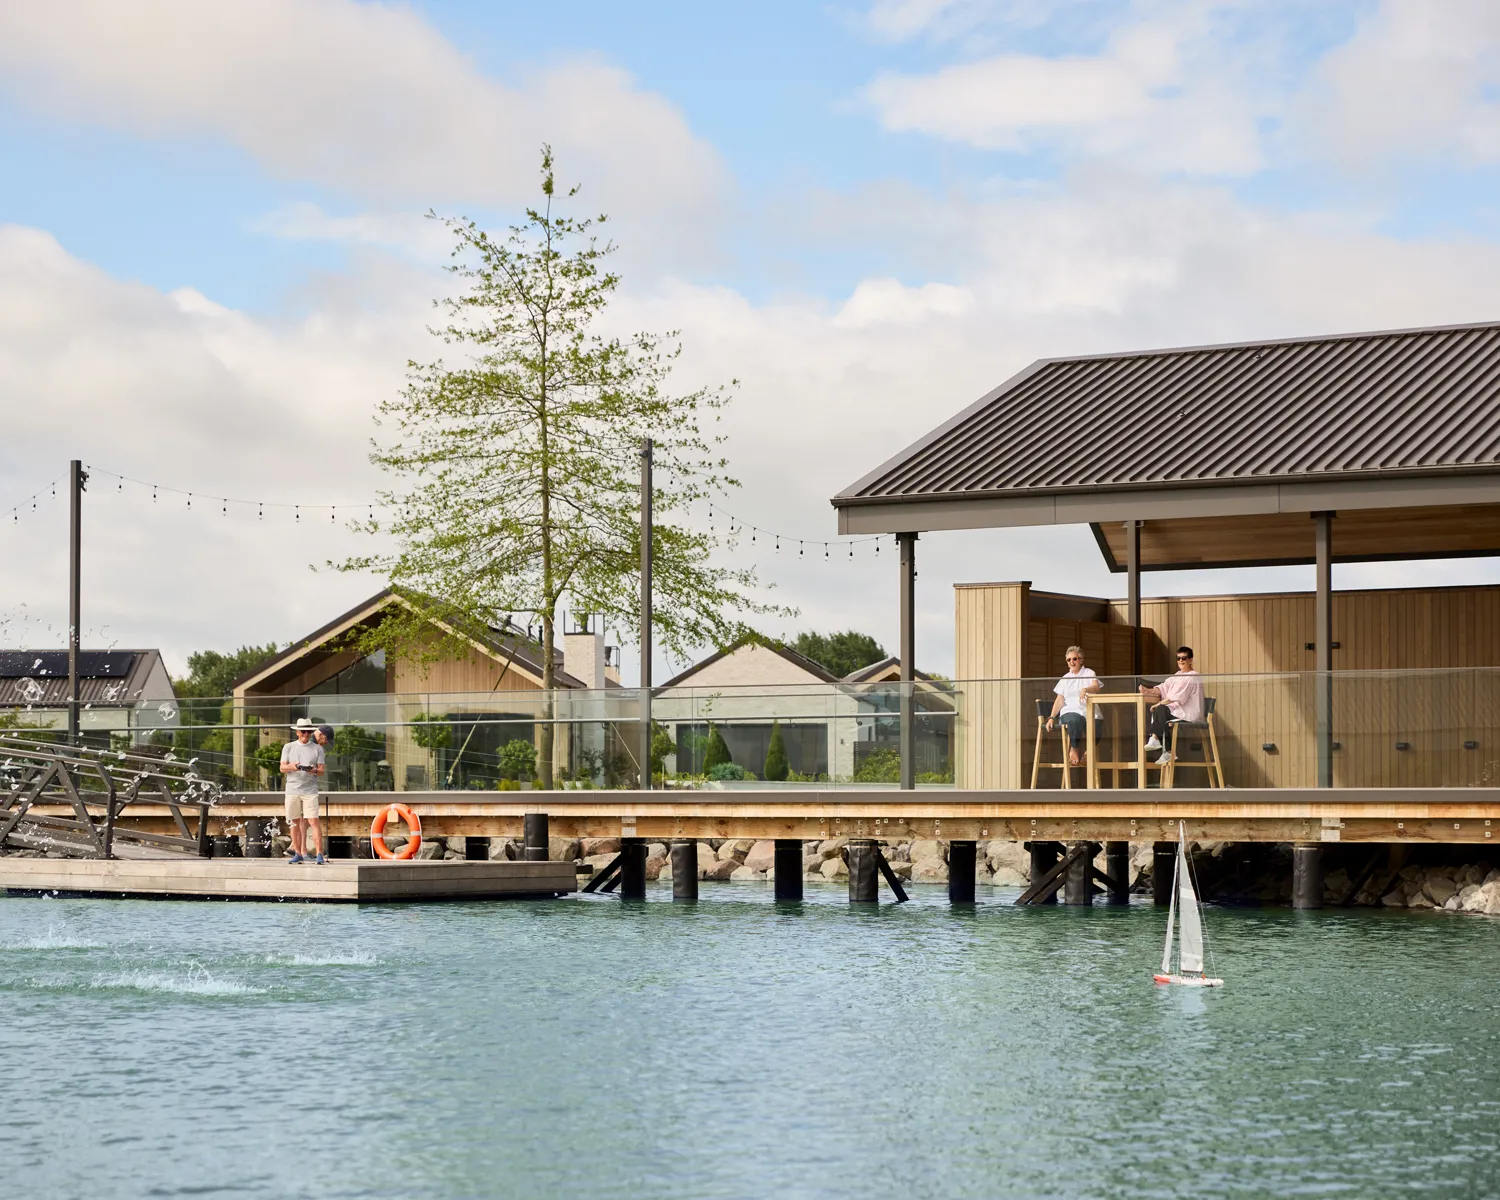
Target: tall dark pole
{"x":1323,"y":641}
{"x":908,"y":544}
{"x":1133,"y":591}
{"x":77,"y":477}
{"x":645,"y":612}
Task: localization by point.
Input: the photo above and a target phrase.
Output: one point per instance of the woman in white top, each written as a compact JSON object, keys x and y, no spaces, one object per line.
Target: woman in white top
{"x":1068,"y":707}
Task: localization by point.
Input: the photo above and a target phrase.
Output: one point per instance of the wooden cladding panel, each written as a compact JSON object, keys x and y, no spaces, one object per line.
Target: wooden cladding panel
{"x":989,"y":645}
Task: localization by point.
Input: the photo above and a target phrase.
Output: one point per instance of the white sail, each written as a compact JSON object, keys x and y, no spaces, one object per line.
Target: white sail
{"x":1166,"y":950}
{"x":1190,"y":956}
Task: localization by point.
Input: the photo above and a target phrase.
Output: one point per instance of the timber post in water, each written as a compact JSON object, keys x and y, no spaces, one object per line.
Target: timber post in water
{"x":788,"y":863}
{"x":1079,"y":889}
{"x":258,"y":837}
{"x":1163,"y":866}
{"x":632,"y":868}
{"x":685,"y":869}
{"x":1307,"y":875}
{"x":961,"y":865}
{"x":864,"y":873}
{"x":1117,"y":867}
{"x":1043,"y":859}
{"x":534,"y":830}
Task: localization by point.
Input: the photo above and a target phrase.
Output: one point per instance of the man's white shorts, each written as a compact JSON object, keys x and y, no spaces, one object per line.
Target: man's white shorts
{"x":299,"y":806}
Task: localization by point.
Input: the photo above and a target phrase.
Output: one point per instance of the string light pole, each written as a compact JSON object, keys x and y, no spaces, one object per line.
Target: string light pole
{"x":77,"y":478}
{"x":646,"y":523}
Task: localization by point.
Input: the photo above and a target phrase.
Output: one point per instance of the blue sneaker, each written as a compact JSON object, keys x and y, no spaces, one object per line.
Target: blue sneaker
{"x":296,"y":858}
{"x":321,"y":861}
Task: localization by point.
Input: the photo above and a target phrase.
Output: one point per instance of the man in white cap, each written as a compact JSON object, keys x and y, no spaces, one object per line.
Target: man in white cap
{"x":302,"y":762}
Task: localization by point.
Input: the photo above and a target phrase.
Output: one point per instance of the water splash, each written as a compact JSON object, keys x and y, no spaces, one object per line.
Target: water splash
{"x":195,"y":981}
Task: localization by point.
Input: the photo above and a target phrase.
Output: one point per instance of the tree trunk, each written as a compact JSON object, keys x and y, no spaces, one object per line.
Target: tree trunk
{"x":549,"y":705}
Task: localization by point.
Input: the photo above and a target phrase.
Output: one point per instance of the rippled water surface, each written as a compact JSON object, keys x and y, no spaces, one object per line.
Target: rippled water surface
{"x":741,"y":1048}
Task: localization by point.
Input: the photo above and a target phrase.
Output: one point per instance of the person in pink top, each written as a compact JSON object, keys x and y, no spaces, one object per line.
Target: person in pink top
{"x":1179,"y":697}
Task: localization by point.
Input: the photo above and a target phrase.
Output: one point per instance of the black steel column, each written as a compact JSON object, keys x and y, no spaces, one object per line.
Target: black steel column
{"x":1044,"y":857}
{"x":684,"y":869}
{"x":908,"y":545}
{"x":76,"y":480}
{"x":646,"y":527}
{"x":961,"y":863}
{"x":1307,"y":875}
{"x":1163,"y":871}
{"x":1079,"y":888}
{"x":535,"y":837}
{"x":1323,"y":642}
{"x":1133,"y":591}
{"x":632,"y":868}
{"x":864,"y":874}
{"x":476,"y":849}
{"x":258,"y":837}
{"x":1117,"y":867}
{"x":788,"y":881}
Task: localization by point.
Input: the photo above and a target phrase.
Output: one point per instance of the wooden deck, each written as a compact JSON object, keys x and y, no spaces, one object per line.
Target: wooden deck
{"x":361,"y":881}
{"x":1230,"y":814}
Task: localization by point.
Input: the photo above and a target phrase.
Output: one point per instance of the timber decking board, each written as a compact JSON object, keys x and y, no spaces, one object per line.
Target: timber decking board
{"x":357,"y":881}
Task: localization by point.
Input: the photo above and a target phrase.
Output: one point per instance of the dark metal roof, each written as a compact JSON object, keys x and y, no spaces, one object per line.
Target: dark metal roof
{"x":1401,"y":402}
{"x":92,"y":664}
{"x":107,"y":678}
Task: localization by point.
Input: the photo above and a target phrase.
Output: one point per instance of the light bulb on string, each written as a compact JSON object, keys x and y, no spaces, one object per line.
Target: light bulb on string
{"x":333,"y":515}
{"x":190,"y":499}
{"x":825,"y":551}
{"x":297,"y":513}
{"x":260,"y":511}
{"x":799,"y":549}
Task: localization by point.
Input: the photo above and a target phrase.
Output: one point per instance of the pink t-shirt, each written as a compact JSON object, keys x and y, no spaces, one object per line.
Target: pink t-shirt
{"x":1183,"y":694}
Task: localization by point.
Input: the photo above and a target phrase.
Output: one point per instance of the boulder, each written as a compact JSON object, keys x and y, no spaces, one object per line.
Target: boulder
{"x":1420,"y":901}
{"x":1489,"y":898}
{"x":1452,"y":904}
{"x":1394,"y":898}
{"x":929,"y":870}
{"x":742,"y":874}
{"x":812,"y":863}
{"x":722,"y":869}
{"x":706,"y":859}
{"x":500,"y":848}
{"x":592,"y":846}
{"x":762,"y":856}
{"x":456,"y":845}
{"x":656,"y":864}
{"x":562,"y":849}
{"x":1439,"y":889}
{"x":598,"y":861}
{"x":834,"y":868}
{"x":430,"y":850}
{"x":928,"y":848}
{"x":453,"y":855}
{"x":735,"y":848}
{"x":1470,"y":899}
{"x":832,"y":847}
{"x":902,"y":869}
{"x":657,"y":850}
{"x":1009,"y":861}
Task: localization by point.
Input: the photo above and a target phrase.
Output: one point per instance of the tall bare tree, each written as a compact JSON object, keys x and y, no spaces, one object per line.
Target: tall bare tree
{"x":517,"y":470}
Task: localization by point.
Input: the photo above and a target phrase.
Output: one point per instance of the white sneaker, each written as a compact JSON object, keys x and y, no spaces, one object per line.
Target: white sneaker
{"x":1166,"y":757}
{"x":1153,"y":742}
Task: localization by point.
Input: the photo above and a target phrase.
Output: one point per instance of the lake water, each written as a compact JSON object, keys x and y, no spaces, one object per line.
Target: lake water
{"x":741,"y":1048}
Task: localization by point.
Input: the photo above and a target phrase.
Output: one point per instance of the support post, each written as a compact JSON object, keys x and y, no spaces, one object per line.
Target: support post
{"x":1079,"y":890}
{"x":1307,"y":875}
{"x":1163,"y":871}
{"x":632,"y":868}
{"x":864,"y":873}
{"x":961,"y":860}
{"x":1323,"y":640}
{"x":1117,"y":867}
{"x":77,"y":478}
{"x":908,"y":546}
{"x":476,"y":849}
{"x":646,"y":526}
{"x":534,"y":832}
{"x":788,"y":882}
{"x":1044,"y":857}
{"x":1133,"y":591}
{"x":685,"y":869}
{"x":258,"y":837}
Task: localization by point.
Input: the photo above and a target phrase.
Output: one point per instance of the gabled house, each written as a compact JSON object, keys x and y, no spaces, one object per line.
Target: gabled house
{"x":121,"y":692}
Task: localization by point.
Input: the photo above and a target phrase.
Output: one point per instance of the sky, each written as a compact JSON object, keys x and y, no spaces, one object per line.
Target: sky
{"x":214,"y":264}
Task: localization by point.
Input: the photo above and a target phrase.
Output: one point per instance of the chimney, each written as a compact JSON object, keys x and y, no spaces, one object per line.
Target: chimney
{"x":583,"y":654}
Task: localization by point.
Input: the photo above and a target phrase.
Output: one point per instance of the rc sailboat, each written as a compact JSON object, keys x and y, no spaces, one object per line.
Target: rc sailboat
{"x":1185,"y":919}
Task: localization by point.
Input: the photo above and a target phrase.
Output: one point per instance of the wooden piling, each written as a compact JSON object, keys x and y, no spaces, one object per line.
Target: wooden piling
{"x":632,"y":868}
{"x":476,"y":849}
{"x":1307,"y":875}
{"x":1044,"y":856}
{"x":1079,"y":890}
{"x":864,"y":871}
{"x":1163,"y":871}
{"x":534,"y":828}
{"x":788,"y":882}
{"x":258,"y":837}
{"x":685,"y":869}
{"x":962,"y":856}
{"x":1117,"y":867}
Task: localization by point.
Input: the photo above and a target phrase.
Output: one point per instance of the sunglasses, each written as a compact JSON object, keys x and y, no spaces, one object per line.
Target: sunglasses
{"x":1184,"y":658}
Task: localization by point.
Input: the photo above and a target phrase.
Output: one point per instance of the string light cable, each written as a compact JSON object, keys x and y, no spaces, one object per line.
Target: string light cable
{"x":737,"y":526}
{"x":49,"y":490}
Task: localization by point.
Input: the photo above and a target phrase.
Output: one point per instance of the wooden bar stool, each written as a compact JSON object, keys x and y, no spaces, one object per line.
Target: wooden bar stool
{"x":1043,"y":711}
{"x":1210,"y":761}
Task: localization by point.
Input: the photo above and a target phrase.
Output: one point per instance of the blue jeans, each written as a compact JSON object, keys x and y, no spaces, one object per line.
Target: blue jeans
{"x":1074,"y":724}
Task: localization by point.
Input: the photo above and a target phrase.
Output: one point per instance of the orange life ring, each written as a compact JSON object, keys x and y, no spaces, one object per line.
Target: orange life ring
{"x":377,"y":832}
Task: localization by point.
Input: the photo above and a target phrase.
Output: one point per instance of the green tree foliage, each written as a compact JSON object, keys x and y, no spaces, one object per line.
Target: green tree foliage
{"x":661,"y":746}
{"x":517,"y":760}
{"x":358,"y":744}
{"x":776,"y":764}
{"x":268,"y":758}
{"x":211,"y":674}
{"x":882,"y":766}
{"x":716,"y":753}
{"x":518,"y":468}
{"x":202,"y":699}
{"x":431,"y":732}
{"x":839,"y":653}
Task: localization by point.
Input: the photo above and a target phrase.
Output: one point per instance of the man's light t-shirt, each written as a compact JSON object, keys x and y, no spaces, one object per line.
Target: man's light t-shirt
{"x":310,"y":754}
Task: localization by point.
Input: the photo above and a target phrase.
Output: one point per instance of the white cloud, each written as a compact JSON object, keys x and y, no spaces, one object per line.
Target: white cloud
{"x":1418,"y":78}
{"x":367,"y":98}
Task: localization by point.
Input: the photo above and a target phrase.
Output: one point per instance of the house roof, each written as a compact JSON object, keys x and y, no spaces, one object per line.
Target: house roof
{"x":1400,"y":402}
{"x":107,"y":678}
{"x":886,"y":670}
{"x":521,"y":653}
{"x":816,"y":670}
